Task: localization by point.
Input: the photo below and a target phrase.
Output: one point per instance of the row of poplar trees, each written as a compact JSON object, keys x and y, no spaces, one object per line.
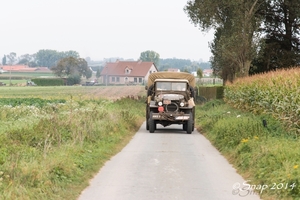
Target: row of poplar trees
{"x":251,"y":36}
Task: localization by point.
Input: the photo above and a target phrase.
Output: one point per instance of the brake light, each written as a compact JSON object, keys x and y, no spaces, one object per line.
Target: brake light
{"x":160,"y":109}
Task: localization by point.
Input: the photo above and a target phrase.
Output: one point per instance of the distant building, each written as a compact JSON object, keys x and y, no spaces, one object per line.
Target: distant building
{"x":23,"y":68}
{"x":173,"y":70}
{"x":127,"y":72}
{"x":194,"y":74}
{"x":207,"y":72}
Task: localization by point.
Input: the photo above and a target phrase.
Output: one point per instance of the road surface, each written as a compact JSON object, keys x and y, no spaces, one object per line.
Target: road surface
{"x":167,"y":164}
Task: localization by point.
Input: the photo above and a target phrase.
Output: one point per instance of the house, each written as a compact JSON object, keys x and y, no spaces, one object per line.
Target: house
{"x":207,"y":72}
{"x":127,"y":72}
{"x":194,"y":74}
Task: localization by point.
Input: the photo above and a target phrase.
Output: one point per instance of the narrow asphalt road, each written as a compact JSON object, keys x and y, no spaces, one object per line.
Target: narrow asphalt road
{"x":167,"y":164}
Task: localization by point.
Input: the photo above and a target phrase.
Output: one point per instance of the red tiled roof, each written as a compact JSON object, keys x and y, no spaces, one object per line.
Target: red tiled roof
{"x":23,"y":68}
{"x":207,"y":71}
{"x":14,"y":67}
{"x":137,"y":68}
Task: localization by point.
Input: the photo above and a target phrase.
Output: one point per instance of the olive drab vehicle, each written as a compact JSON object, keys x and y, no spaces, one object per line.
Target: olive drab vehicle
{"x":170,"y":100}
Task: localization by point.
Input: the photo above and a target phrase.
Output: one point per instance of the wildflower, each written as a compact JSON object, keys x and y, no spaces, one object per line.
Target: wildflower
{"x":296,"y":166}
{"x":244,"y":140}
{"x":238,"y":116}
{"x":256,"y":137}
{"x":228,"y":112}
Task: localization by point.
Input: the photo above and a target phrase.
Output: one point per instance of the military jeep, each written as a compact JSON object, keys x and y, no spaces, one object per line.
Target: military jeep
{"x":170,"y":100}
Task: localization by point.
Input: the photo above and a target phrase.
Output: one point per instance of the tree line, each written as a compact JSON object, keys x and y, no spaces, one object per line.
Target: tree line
{"x":63,"y":64}
{"x":69,"y":64}
{"x":185,"y":65}
{"x":251,"y":36}
{"x":43,"y":58}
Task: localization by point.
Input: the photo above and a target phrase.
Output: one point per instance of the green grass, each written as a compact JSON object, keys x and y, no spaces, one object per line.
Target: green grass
{"x":27,"y":74}
{"x":263,"y":155}
{"x":18,"y":78}
{"x":46,"y":92}
{"x":50,"y":149}
{"x":12,"y":81}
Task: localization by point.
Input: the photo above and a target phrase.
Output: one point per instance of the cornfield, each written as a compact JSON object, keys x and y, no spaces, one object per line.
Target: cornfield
{"x":276,"y":93}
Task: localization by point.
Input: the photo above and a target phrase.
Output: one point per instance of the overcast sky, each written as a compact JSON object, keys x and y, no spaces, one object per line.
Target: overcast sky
{"x":102,"y":28}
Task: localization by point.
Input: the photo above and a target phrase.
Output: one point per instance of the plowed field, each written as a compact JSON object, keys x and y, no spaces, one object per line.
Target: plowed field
{"x":86,"y":92}
{"x":117,"y":92}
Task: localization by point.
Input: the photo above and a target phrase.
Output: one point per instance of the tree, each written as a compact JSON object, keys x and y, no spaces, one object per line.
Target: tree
{"x":71,"y":66}
{"x":235,"y":22}
{"x":199,"y":73}
{"x":70,"y":53}
{"x":49,"y":58}
{"x":12,"y":58}
{"x":26,"y":59}
{"x":165,"y":64}
{"x":88,"y":74}
{"x":223,"y":66}
{"x":150,"y":56}
{"x":280,"y":47}
{"x":4,"y":60}
{"x":98,"y":73}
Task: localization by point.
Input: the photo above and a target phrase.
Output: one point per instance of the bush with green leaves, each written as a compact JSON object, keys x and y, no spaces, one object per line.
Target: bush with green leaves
{"x":48,"y":81}
{"x":73,"y":79}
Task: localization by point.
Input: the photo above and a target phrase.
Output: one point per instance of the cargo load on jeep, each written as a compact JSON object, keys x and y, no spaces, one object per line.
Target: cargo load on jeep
{"x":170,"y":100}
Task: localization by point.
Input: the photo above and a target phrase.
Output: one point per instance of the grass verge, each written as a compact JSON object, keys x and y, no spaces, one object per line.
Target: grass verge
{"x":258,"y":146}
{"x":51,"y":151}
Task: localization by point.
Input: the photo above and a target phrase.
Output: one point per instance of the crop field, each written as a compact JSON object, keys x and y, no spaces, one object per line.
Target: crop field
{"x":80,"y":92}
{"x":275,"y":93}
{"x":257,"y":128}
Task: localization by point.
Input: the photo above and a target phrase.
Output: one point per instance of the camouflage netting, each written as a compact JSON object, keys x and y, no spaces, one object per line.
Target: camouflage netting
{"x":171,"y":75}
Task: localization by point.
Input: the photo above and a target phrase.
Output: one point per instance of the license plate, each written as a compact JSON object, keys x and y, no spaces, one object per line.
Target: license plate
{"x":166,"y":101}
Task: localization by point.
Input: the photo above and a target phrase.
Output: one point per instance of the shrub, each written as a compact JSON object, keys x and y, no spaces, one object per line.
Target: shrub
{"x":48,"y":81}
{"x":73,"y":79}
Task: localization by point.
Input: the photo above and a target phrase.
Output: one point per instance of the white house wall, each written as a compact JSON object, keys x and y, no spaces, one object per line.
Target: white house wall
{"x":121,"y":80}
{"x":113,"y":80}
{"x":151,"y":70}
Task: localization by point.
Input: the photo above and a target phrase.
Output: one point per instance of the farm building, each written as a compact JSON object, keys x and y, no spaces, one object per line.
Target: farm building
{"x":23,"y":68}
{"x":127,"y":72}
{"x":173,"y":70}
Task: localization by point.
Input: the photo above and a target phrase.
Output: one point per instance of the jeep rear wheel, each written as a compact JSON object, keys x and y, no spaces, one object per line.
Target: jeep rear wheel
{"x":151,"y":123}
{"x":189,"y":125}
{"x":147,"y":125}
{"x":147,"y":118}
